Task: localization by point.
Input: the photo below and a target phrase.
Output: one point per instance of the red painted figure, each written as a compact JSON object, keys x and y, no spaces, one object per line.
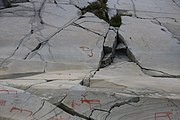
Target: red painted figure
{"x":162,"y":114}
{"x":72,"y":104}
{"x":2,"y":102}
{"x":90,"y":101}
{"x":90,"y":51}
{"x":21,"y":110}
{"x":9,"y":91}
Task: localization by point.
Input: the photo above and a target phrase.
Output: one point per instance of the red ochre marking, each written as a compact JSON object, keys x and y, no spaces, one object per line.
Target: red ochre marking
{"x":9,"y":91}
{"x":162,"y":114}
{"x":72,"y":104}
{"x":90,"y":101}
{"x":87,"y":49}
{"x":21,"y":110}
{"x":61,"y":118}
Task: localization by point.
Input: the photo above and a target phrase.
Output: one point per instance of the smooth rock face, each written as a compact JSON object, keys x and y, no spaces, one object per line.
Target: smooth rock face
{"x":18,"y":105}
{"x":146,"y":8}
{"x":105,"y":105}
{"x":152,"y":45}
{"x":127,"y":75}
{"x":51,"y":41}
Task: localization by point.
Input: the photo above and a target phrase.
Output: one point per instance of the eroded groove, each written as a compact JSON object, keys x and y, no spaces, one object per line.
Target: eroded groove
{"x":77,"y":25}
{"x":176,"y":3}
{"x":53,"y":108}
{"x":145,"y":70}
{"x":132,"y":100}
{"x":72,"y":112}
{"x":134,"y":8}
{"x":17,"y":48}
{"x":43,"y":103}
{"x":43,"y":43}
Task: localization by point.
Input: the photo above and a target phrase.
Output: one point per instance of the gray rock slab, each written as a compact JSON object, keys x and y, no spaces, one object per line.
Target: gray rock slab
{"x":93,"y":24}
{"x":100,"y":105}
{"x":127,"y":75}
{"x":152,"y":45}
{"x":161,"y":12}
{"x":55,"y":39}
{"x":110,"y":44}
{"x":51,"y":86}
{"x":111,"y":41}
{"x":145,"y":8}
{"x":17,"y":104}
{"x":1,"y":4}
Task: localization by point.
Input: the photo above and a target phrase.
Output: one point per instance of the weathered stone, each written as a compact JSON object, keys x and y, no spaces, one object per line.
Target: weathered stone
{"x":146,"y":8}
{"x":98,"y":105}
{"x":17,"y":104}
{"x":111,"y":41}
{"x":153,"y":48}
{"x":59,"y":46}
{"x":124,"y":75}
{"x":51,"y":48}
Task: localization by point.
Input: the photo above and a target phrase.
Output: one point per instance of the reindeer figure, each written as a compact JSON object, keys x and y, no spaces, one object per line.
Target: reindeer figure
{"x":90,"y":101}
{"x":21,"y":110}
{"x":162,"y":114}
{"x":2,"y":102}
{"x":9,"y":91}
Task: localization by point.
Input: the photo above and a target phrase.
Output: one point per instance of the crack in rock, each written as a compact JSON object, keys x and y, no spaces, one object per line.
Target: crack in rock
{"x":72,"y":112}
{"x":133,"y":100}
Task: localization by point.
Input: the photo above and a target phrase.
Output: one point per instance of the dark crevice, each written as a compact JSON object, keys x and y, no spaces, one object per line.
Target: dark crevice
{"x":86,"y":80}
{"x":7,"y":3}
{"x":17,"y":48}
{"x":100,"y":9}
{"x":119,"y":48}
{"x":125,"y":102}
{"x":123,"y":50}
{"x":72,"y":112}
{"x":39,"y":12}
{"x":53,"y":109}
{"x":146,"y":71}
{"x":43,"y":43}
{"x":97,"y":110}
{"x":43,"y":103}
{"x":77,"y":25}
{"x":132,"y":100}
{"x":176,"y":3}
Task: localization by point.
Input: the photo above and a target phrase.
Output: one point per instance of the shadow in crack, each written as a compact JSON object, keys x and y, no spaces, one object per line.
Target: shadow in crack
{"x":100,"y":9}
{"x":18,"y":75}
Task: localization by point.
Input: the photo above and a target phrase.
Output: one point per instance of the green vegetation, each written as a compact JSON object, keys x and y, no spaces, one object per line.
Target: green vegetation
{"x":100,"y":9}
{"x":7,"y":3}
{"x":115,"y":20}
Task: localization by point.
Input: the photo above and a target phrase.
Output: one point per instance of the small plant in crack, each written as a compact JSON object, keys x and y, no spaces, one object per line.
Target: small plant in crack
{"x":116,"y":20}
{"x":7,"y":3}
{"x":99,"y":8}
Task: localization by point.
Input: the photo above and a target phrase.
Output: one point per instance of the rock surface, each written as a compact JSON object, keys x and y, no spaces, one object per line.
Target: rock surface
{"x":152,"y":46}
{"x":58,"y":62}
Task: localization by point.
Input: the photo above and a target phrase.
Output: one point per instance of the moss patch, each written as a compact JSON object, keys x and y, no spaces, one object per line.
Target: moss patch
{"x":100,"y":9}
{"x":7,"y":3}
